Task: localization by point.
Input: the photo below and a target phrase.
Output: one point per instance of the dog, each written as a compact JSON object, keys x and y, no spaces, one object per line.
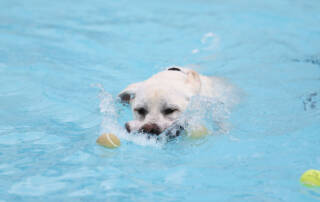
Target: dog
{"x":158,"y":102}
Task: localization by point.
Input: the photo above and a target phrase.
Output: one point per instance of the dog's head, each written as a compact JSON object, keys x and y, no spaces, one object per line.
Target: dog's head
{"x":158,"y":102}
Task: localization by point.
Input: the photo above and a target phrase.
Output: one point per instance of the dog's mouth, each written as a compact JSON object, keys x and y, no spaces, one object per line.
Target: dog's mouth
{"x":169,"y":134}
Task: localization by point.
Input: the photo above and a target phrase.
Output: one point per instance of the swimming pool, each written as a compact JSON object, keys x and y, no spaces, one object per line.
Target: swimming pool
{"x":63,"y":62}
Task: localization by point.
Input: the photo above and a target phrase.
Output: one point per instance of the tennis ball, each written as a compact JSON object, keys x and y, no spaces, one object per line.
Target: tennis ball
{"x":108,"y":140}
{"x":197,"y":132}
{"x":311,"y":178}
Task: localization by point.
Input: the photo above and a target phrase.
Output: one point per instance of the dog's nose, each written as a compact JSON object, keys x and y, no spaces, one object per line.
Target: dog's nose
{"x":151,"y":128}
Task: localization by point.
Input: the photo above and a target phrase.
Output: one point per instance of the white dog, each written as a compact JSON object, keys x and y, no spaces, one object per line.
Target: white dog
{"x":158,"y":102}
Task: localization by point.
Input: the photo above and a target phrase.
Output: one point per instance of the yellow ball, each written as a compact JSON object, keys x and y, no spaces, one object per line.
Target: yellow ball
{"x":108,"y":140}
{"x":197,"y":132}
{"x":311,"y":178}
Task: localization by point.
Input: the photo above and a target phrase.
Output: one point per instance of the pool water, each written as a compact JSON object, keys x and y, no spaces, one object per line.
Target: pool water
{"x":62,"y":64}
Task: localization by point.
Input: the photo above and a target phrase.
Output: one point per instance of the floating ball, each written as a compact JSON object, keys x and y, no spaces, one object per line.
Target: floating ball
{"x":197,"y":132}
{"x":108,"y":140}
{"x":311,"y":178}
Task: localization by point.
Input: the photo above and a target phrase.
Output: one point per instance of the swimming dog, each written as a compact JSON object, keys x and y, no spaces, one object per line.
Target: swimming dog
{"x":158,"y":102}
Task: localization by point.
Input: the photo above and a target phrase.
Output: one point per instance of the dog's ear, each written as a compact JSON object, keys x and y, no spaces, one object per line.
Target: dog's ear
{"x":129,"y":93}
{"x":193,"y":79}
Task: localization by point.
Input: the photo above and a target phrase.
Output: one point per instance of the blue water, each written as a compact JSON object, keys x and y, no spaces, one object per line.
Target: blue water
{"x":62,"y":64}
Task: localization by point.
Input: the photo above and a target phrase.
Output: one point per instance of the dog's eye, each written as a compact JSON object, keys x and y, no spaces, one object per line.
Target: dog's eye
{"x":141,"y":111}
{"x":169,"y":111}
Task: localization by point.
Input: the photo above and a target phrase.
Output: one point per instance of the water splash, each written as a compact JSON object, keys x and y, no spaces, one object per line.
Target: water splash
{"x":209,"y":42}
{"x":208,"y":112}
